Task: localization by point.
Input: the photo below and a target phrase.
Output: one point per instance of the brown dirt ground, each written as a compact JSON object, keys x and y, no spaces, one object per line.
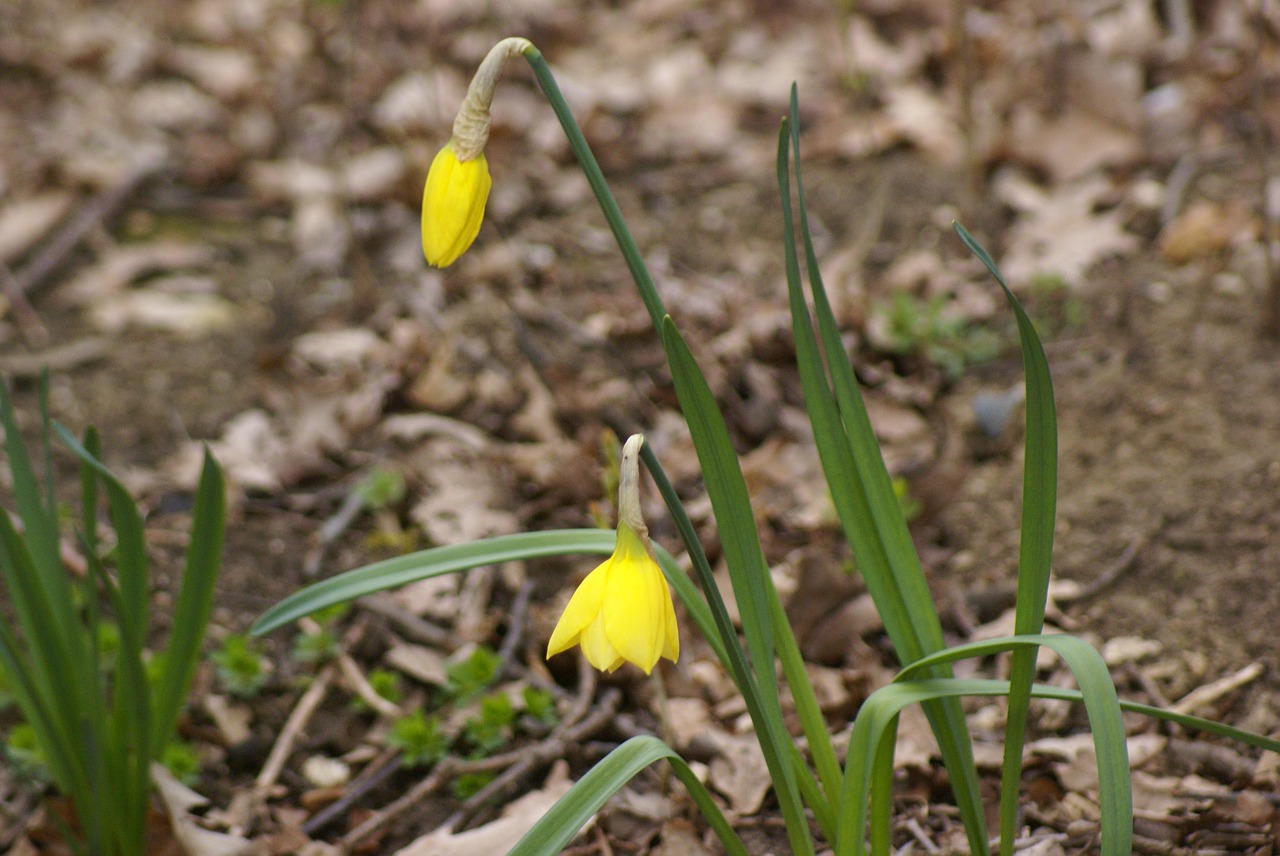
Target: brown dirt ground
{"x":1168,"y":402}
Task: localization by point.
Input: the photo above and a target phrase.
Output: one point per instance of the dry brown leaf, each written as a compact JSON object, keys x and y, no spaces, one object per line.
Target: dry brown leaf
{"x":501,"y":835}
{"x":190,"y":316}
{"x":1206,"y":228}
{"x":1071,"y":145}
{"x":738,"y":771}
{"x":178,"y":801}
{"x":679,"y":838}
{"x":23,"y":222}
{"x":121,"y":266}
{"x":423,"y":664}
{"x":1063,"y":235}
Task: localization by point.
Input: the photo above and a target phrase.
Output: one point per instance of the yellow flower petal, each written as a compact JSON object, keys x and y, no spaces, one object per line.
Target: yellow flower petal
{"x":583,"y":609}
{"x":453,"y":203}
{"x":622,"y":612}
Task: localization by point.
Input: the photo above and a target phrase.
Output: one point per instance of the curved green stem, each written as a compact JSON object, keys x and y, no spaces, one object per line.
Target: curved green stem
{"x":609,"y":205}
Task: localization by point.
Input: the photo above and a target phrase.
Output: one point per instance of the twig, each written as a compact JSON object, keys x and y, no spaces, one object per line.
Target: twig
{"x":553,"y":746}
{"x":331,"y":530}
{"x":91,"y":215}
{"x":918,"y":833}
{"x":56,"y":359}
{"x":359,"y":684}
{"x":1209,"y":693}
{"x":1121,"y":566}
{"x":515,"y":630}
{"x":298,"y":719}
{"x":409,"y":625}
{"x":542,"y":753}
{"x":33,"y":329}
{"x":374,"y":774}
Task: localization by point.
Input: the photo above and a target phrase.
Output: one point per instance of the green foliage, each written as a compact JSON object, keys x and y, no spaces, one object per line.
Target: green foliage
{"x":848,"y":802}
{"x":240,"y":665}
{"x":381,"y":488}
{"x":490,"y":729}
{"x":540,"y":705}
{"x":22,"y":753}
{"x":181,"y":759}
{"x":315,"y":648}
{"x":74,"y":659}
{"x":907,"y":503}
{"x":470,"y":676}
{"x":932,"y":328}
{"x":469,"y":784}
{"x":330,"y":614}
{"x":385,"y":683}
{"x":420,"y":739}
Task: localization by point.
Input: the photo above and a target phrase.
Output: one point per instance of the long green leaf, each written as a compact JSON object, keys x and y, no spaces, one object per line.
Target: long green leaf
{"x":557,"y":827}
{"x":752,"y":585}
{"x":724,"y":639}
{"x":1101,"y":703}
{"x":437,"y":561}
{"x":862,"y":491}
{"x":194,"y":604}
{"x":131,"y":545}
{"x":1035,"y":553}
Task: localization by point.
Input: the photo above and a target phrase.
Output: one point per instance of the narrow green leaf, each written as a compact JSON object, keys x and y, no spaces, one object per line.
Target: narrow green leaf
{"x":1102,"y":705}
{"x":131,"y":547}
{"x":752,"y":585}
{"x":194,"y":604}
{"x":862,"y":492}
{"x":437,"y":561}
{"x":553,"y":832}
{"x":1035,"y":553}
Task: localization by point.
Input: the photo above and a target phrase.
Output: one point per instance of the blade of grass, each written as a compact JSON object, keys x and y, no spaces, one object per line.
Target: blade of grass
{"x":752,"y":585}
{"x":557,"y":827}
{"x":862,"y":492}
{"x":194,"y":604}
{"x":1035,"y":552}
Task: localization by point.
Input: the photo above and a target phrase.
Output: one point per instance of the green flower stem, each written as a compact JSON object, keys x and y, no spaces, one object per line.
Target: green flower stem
{"x":621,"y":234}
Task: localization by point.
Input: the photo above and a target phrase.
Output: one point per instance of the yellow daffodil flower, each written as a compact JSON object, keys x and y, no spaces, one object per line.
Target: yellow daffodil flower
{"x":622,"y":612}
{"x":458,"y":181}
{"x":453,"y":205}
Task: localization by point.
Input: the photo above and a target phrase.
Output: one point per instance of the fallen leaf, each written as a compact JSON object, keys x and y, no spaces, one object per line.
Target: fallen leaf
{"x":178,"y":801}
{"x":24,"y":222}
{"x":1064,"y":235}
{"x":501,"y":835}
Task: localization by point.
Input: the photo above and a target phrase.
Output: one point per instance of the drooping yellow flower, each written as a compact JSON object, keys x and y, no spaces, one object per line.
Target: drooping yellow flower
{"x":458,"y":181}
{"x":453,"y":205}
{"x":622,"y":612}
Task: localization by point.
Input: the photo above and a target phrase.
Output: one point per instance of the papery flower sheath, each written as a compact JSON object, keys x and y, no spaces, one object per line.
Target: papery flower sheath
{"x":622,"y":611}
{"x":453,"y":205}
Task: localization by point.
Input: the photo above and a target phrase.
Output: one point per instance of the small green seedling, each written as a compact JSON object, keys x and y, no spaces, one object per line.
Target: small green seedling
{"x":385,"y":683}
{"x":540,"y":705}
{"x":240,"y":665}
{"x":181,"y":759}
{"x":420,"y":739}
{"x":314,"y":648}
{"x":469,"y":677}
{"x":490,"y":729}
{"x":932,"y":328}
